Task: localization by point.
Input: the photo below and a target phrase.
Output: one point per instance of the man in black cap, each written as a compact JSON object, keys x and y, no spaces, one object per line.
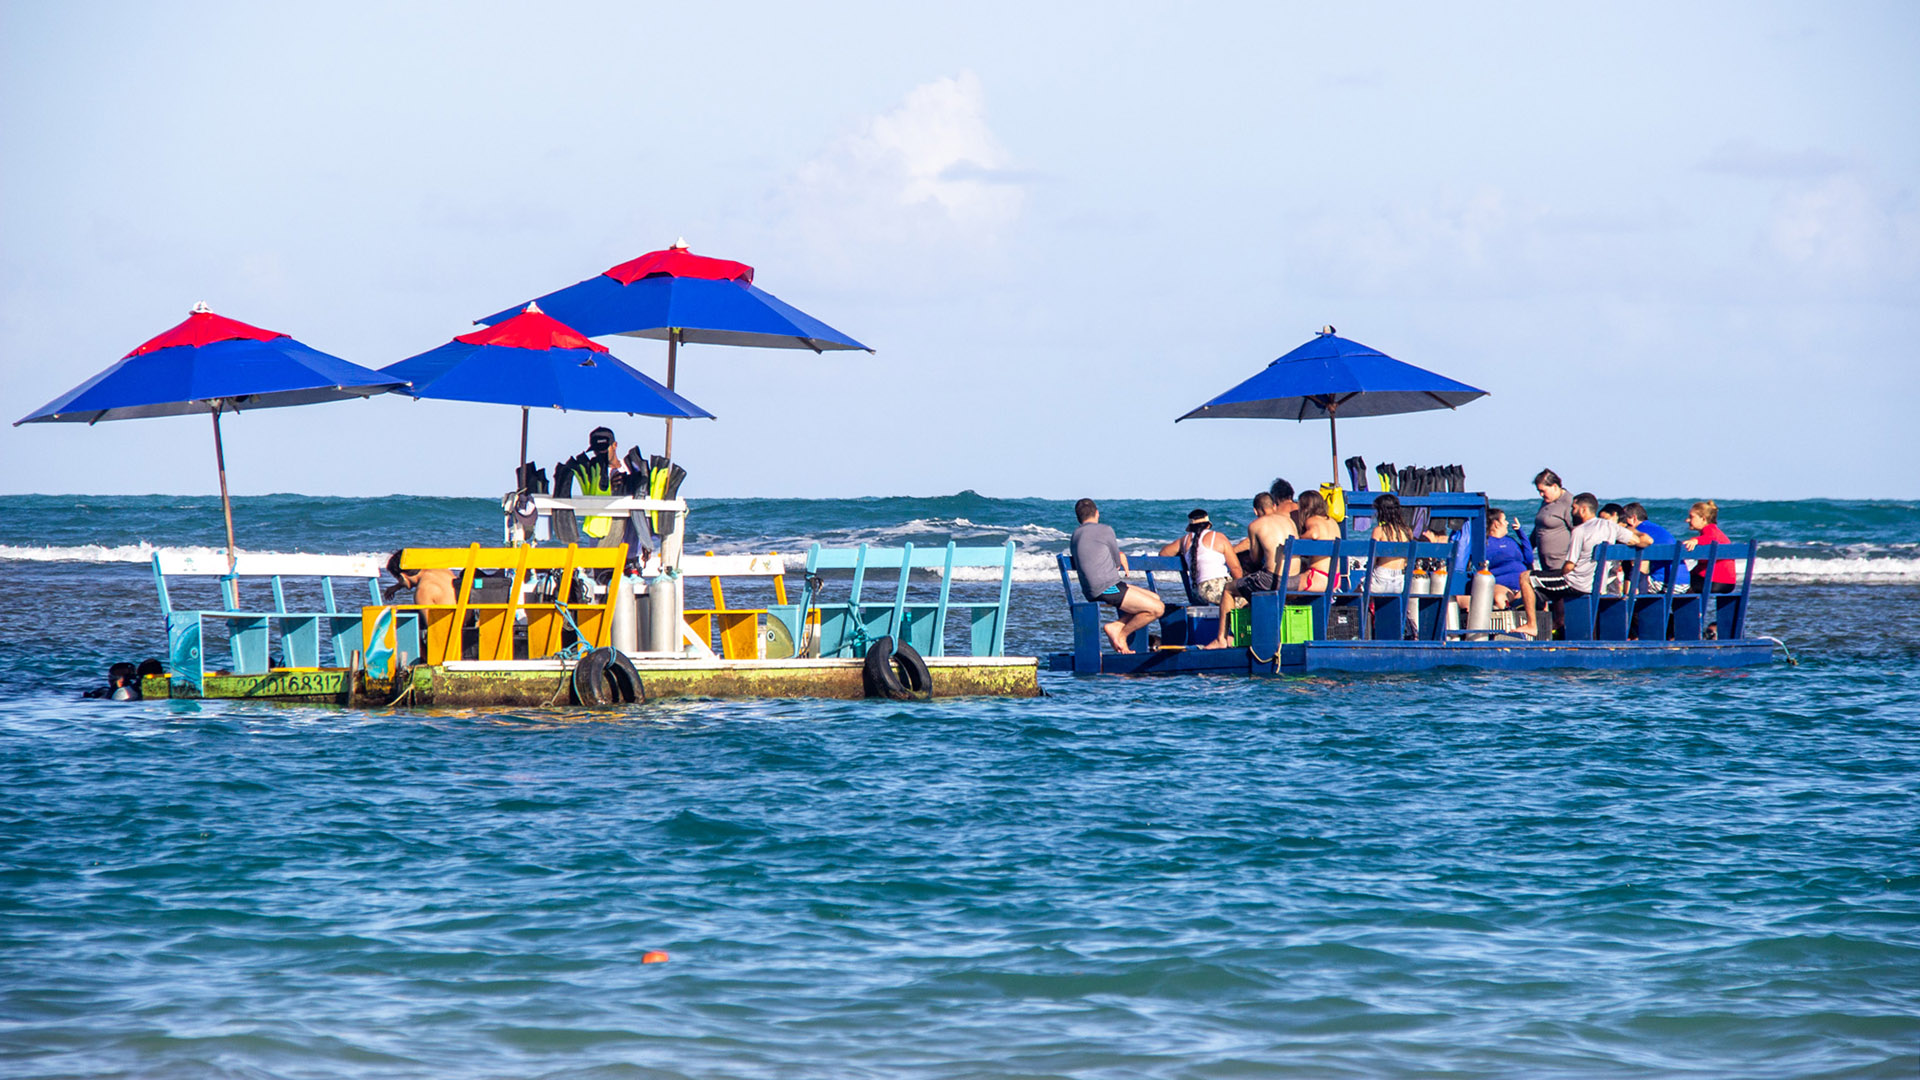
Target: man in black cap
{"x":596,"y":474}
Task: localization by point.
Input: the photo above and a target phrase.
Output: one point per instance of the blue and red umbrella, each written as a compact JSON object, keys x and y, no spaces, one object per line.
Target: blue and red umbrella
{"x":683,"y":298}
{"x":535,"y":361}
{"x":212,"y":364}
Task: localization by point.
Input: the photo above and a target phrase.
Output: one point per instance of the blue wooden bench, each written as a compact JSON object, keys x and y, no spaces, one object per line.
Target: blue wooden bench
{"x":847,"y":626}
{"x":1645,"y":614}
{"x":1179,"y":626}
{"x":250,"y":630}
{"x":1381,"y":617}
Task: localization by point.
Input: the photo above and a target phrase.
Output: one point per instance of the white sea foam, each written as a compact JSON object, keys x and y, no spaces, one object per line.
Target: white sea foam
{"x":1880,"y":571}
{"x":141,"y":552}
{"x":1029,"y":565}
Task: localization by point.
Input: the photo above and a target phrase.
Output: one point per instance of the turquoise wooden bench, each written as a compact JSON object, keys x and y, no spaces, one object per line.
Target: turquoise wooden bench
{"x":250,"y":631}
{"x":846,"y":627}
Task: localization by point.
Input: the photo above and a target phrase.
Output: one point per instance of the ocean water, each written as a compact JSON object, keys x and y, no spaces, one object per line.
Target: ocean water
{"x":1455,"y":874}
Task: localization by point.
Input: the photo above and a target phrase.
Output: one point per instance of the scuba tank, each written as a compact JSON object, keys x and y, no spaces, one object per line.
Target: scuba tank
{"x":663,"y":614}
{"x":1421,"y":587}
{"x":1480,"y":600}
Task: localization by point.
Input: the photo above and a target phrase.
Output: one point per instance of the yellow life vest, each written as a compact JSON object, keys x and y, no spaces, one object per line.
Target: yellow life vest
{"x":594,"y":479}
{"x":1336,"y":501}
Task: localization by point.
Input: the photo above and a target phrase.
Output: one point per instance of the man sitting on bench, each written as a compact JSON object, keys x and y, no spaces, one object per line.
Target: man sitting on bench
{"x":1099,"y":561}
{"x":1267,"y":536}
{"x":1575,"y":576}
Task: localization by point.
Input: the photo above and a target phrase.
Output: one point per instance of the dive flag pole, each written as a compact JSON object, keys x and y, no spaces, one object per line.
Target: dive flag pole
{"x":226,"y":504}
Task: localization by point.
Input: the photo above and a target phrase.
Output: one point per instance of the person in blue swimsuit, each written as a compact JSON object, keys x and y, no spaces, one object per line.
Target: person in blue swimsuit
{"x":1508,"y":555}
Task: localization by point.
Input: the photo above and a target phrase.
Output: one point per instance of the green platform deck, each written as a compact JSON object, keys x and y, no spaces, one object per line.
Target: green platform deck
{"x":547,"y":682}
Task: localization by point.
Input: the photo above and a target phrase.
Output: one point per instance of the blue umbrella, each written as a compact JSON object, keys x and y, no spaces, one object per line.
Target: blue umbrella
{"x":535,"y":361}
{"x":1331,"y":376}
{"x":211,"y":364}
{"x":683,"y":298}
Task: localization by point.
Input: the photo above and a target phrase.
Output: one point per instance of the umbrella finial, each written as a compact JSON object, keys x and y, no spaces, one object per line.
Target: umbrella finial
{"x":532,"y":308}
{"x":680,"y":244}
{"x":201,"y":308}
{"x":1327,"y":330}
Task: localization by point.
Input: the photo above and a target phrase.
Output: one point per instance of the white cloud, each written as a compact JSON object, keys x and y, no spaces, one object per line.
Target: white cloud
{"x":1847,"y":231}
{"x":927,"y":178}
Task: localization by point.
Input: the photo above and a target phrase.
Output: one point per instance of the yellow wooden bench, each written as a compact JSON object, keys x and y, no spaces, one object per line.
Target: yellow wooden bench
{"x":739,"y":627}
{"x":441,"y":624}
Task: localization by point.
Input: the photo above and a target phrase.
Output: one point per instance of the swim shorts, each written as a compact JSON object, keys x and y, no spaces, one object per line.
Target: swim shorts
{"x":1214,"y":590}
{"x":1553,"y":586}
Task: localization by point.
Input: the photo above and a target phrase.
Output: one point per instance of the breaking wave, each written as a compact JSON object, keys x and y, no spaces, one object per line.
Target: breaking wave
{"x":1034,"y":557}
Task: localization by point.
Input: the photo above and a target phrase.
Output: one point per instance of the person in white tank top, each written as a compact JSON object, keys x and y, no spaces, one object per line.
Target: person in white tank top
{"x":1212,"y":566}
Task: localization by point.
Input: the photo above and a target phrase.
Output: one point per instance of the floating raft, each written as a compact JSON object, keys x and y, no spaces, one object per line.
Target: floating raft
{"x":1348,"y":627}
{"x":1400,"y":656}
{"x":549,"y":682}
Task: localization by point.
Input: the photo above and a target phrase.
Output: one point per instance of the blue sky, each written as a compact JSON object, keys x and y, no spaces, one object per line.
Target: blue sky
{"x":1680,"y":244}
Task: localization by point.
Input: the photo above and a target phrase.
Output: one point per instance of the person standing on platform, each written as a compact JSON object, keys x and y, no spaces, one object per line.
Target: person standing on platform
{"x":1552,"y":535}
{"x":596,"y":474}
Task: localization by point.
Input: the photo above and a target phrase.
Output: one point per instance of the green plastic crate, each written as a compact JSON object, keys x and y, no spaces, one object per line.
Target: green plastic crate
{"x":1296,"y":625}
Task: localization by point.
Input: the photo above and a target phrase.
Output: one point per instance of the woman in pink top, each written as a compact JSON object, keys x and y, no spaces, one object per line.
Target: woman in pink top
{"x":1703,"y":519}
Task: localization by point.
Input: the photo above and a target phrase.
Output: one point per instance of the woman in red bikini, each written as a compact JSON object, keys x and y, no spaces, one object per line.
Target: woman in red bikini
{"x":1318,"y":574}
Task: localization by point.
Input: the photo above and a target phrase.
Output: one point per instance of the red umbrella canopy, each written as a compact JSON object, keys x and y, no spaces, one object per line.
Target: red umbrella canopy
{"x":532,"y":329}
{"x":677,"y":261}
{"x":204,"y":328}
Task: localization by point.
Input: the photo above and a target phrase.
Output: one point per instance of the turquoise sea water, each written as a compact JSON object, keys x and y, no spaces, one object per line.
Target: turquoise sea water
{"x":1455,"y":874}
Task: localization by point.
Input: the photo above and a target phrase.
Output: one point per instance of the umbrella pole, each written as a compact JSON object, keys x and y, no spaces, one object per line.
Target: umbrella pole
{"x":1334,"y":434}
{"x":226,"y":504}
{"x":673,"y":355}
{"x":519,"y":478}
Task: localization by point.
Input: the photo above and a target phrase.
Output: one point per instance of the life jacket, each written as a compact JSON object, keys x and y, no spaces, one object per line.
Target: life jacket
{"x":593,"y":479}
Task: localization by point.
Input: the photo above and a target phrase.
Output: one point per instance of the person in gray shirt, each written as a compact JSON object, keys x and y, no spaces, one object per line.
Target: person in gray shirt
{"x":1553,"y":524}
{"x":1552,"y":536}
{"x":1100,"y":563}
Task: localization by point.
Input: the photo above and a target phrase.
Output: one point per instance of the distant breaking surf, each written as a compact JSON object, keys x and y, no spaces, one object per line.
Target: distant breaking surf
{"x":1042,"y":566}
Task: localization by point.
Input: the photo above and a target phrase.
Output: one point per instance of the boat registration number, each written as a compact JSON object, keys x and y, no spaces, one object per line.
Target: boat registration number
{"x":299,"y":683}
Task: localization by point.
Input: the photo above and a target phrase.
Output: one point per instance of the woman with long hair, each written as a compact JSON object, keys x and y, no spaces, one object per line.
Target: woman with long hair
{"x":1389,"y":526}
{"x":1318,"y":574}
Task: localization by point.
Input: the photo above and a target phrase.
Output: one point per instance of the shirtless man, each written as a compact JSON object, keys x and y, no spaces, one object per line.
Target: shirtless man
{"x":431,"y":586}
{"x":1267,"y":536}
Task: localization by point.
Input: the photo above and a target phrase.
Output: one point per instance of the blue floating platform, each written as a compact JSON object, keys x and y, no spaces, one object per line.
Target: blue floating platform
{"x":1629,"y":623}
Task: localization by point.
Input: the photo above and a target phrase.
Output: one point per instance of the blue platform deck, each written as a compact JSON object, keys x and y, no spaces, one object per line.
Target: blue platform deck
{"x":1400,"y":656}
{"x":1627,"y":623}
